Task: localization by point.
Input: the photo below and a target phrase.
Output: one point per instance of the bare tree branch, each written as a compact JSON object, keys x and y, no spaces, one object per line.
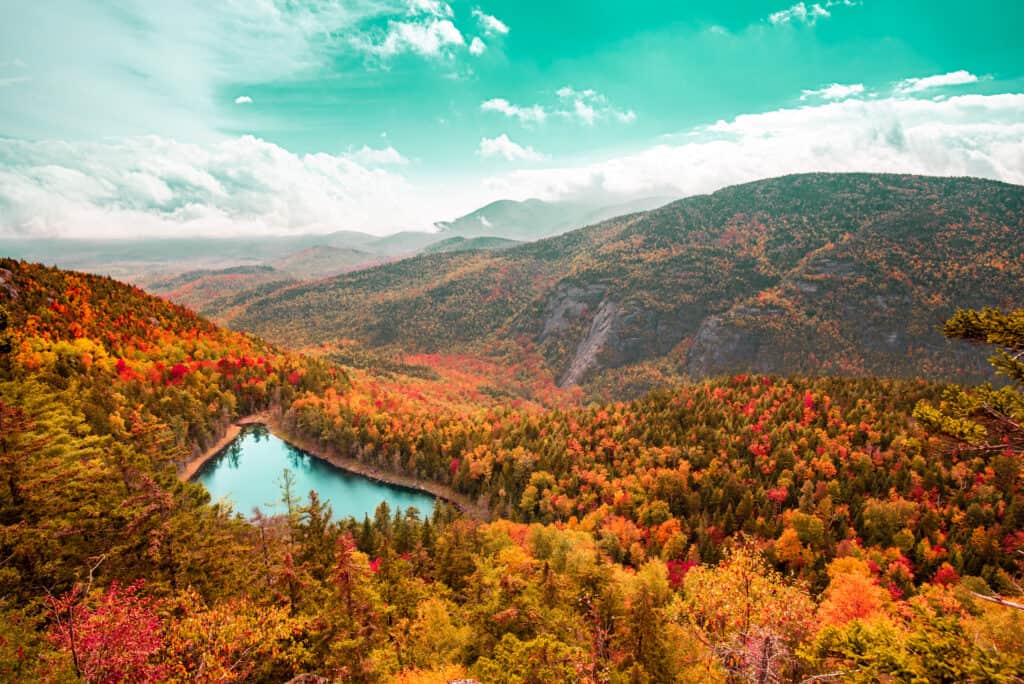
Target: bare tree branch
{"x":999,"y":601}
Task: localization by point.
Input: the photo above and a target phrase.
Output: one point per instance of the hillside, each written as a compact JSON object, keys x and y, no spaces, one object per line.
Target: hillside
{"x":214,"y":291}
{"x":146,"y":260}
{"x":196,"y":289}
{"x":461,"y":244}
{"x":137,"y":358}
{"x":819,"y":274}
{"x":323,"y":261}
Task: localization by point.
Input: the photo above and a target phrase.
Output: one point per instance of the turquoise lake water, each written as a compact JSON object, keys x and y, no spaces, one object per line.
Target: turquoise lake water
{"x":248,"y":472}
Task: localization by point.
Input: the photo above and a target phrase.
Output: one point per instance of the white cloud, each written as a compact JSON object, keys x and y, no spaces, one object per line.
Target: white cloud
{"x":953,"y":78}
{"x":566,"y":92}
{"x":503,"y":146}
{"x":491,"y":25}
{"x":432,"y":7}
{"x":243,"y":99}
{"x":836,"y":91}
{"x":584,"y":111}
{"x":155,"y":186}
{"x":799,"y":13}
{"x":589,"y":106}
{"x":532,"y":114}
{"x":970,"y":135}
{"x":368,"y":156}
{"x":426,"y":28}
{"x":428,"y":38}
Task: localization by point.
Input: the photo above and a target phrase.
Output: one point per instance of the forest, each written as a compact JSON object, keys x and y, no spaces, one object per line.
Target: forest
{"x":743,"y":528}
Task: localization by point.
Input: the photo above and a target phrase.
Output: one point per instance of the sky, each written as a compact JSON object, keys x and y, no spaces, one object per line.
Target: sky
{"x":134,"y":118}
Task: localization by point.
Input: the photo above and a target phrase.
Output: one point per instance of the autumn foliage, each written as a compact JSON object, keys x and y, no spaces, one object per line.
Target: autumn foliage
{"x":750,"y":528}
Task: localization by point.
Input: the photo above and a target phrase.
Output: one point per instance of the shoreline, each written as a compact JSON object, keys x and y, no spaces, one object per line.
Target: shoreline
{"x":372,"y":472}
{"x":234,"y":429}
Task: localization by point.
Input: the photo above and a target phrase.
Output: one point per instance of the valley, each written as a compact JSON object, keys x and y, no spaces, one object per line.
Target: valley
{"x":511,"y":342}
{"x":730,"y":416}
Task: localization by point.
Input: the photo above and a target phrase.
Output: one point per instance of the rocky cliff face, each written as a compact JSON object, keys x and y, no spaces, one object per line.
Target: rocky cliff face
{"x":594,"y":343}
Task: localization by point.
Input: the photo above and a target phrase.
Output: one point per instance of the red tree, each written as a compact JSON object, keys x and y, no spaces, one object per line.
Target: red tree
{"x":111,"y":637}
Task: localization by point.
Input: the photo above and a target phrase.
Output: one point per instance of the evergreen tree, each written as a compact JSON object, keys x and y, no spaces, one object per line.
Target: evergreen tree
{"x":986,"y":419}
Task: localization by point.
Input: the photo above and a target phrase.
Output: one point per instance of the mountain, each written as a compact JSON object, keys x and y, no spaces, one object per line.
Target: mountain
{"x":461,"y":244}
{"x":215,"y":292}
{"x":813,"y":274}
{"x":322,"y":261}
{"x":178,"y":254}
{"x":150,"y":262}
{"x":196,"y":289}
{"x":534,"y":219}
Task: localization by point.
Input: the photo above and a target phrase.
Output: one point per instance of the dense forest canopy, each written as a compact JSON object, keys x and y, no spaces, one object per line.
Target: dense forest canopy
{"x":748,"y":528}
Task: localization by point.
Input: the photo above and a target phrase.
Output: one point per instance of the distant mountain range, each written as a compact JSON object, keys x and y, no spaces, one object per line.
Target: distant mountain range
{"x":189,"y":270}
{"x":816,"y":273}
{"x":534,"y":219}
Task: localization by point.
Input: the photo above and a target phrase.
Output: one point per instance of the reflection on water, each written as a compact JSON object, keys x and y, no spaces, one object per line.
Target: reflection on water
{"x":233,"y":454}
{"x":248,"y":473}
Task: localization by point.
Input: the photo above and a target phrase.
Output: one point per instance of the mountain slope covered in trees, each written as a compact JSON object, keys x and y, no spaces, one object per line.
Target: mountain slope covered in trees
{"x":197,"y":289}
{"x":819,"y":273}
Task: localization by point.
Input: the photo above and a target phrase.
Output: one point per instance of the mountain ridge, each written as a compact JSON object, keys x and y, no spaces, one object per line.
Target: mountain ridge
{"x":844,"y":274}
{"x":535,"y":219}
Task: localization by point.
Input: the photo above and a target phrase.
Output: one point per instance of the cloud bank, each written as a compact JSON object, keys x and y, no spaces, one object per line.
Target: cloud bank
{"x":151,"y":186}
{"x":156,"y":186}
{"x":969,"y":135}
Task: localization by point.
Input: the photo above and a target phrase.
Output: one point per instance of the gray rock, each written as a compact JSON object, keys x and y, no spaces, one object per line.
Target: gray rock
{"x":587,"y":351}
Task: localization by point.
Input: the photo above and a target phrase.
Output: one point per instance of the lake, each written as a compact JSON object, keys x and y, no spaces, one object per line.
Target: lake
{"x":248,"y":472}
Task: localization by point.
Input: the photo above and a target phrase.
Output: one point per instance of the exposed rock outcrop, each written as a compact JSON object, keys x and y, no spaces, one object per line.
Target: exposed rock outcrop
{"x":567,"y":304}
{"x":587,"y":351}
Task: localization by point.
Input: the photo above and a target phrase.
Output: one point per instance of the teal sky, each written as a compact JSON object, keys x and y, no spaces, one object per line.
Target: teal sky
{"x":313,"y":115}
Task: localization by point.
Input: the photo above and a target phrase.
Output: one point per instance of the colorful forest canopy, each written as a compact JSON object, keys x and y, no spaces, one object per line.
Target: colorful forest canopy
{"x":138,"y":360}
{"x":743,"y":529}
